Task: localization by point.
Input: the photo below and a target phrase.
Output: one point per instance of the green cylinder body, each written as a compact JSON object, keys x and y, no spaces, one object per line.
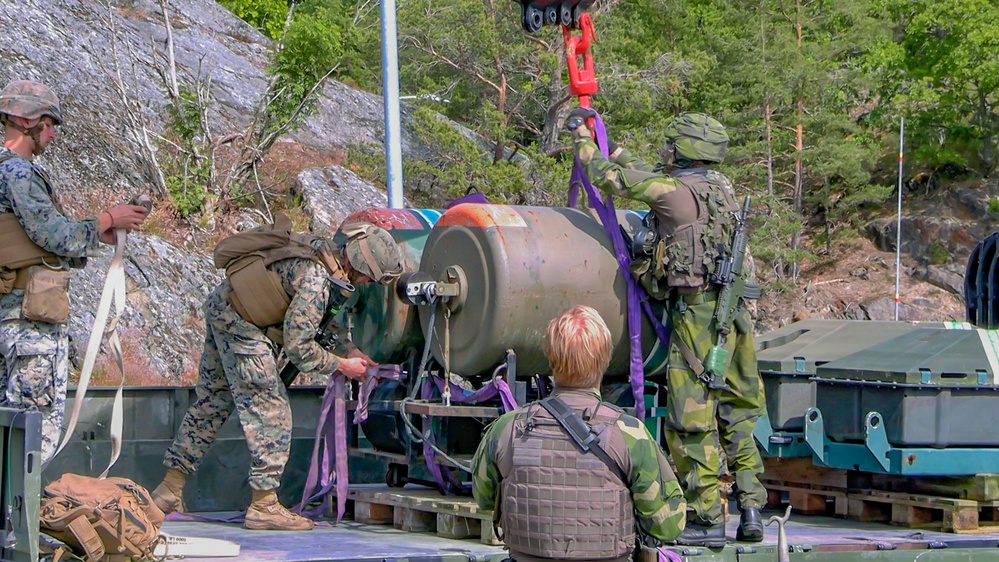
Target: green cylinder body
{"x":386,"y":328}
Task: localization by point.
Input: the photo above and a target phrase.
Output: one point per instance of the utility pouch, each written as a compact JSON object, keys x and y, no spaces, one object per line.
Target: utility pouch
{"x":46,"y":297}
{"x":650,"y":271}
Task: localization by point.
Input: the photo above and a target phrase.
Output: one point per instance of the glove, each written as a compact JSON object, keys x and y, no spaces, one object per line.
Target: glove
{"x":578,"y":116}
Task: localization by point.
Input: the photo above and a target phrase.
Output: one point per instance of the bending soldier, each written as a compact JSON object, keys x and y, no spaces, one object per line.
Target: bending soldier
{"x":570,"y":476}
{"x":40,"y":244}
{"x":693,"y":214}
{"x":275,"y":294}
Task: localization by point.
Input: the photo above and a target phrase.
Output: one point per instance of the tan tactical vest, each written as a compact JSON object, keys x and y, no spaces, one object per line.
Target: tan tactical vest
{"x":690,"y":244}
{"x":17,"y":251}
{"x":560,"y":503}
{"x":257,"y":293}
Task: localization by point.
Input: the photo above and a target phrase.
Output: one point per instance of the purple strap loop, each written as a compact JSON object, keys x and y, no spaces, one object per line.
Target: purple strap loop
{"x":668,"y":555}
{"x":375,"y":376}
{"x":638,"y":299}
{"x":330,"y":445}
{"x":443,"y":475}
{"x":473,"y":196}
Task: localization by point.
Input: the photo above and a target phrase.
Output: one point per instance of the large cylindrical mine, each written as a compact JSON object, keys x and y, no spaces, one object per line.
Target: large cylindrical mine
{"x":384,"y":327}
{"x":520,"y":267}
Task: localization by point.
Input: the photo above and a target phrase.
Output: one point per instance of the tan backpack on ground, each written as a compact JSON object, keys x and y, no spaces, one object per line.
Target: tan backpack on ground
{"x":107,"y":520}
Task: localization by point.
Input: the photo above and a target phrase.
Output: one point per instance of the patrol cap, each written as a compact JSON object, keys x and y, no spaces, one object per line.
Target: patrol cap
{"x":30,"y":100}
{"x":696,"y":136}
{"x":372,"y":251}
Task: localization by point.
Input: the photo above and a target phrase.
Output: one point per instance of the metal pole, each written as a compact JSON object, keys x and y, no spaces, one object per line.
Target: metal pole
{"x":898,"y":225}
{"x":393,"y":123}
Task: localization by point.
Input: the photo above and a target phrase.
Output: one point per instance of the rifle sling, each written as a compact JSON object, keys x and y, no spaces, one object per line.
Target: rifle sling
{"x":581,"y":433}
{"x":688,"y":355}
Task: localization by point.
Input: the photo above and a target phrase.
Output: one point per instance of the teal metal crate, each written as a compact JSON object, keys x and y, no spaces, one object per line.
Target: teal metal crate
{"x":932,"y":387}
{"x":788,"y":357}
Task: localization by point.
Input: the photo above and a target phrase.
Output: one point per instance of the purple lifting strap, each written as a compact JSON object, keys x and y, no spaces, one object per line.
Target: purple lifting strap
{"x":330,"y":446}
{"x":443,"y":474}
{"x":638,"y":300}
{"x":473,"y":196}
{"x":668,"y":555}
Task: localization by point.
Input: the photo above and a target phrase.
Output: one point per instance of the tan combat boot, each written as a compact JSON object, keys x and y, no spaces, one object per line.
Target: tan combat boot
{"x":169,"y":495}
{"x":267,"y":514}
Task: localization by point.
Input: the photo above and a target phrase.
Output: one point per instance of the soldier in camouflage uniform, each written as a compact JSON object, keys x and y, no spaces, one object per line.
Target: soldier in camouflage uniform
{"x":554,"y":502}
{"x":699,"y":418}
{"x":33,"y":353}
{"x":238,"y":371}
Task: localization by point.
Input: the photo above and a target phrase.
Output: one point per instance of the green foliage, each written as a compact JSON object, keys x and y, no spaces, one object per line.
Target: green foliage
{"x":459,"y":165}
{"x":312,"y":46}
{"x":940,"y":71}
{"x":471,"y":54}
{"x":993,"y":206}
{"x":187,"y":191}
{"x":773,"y":223}
{"x":810,"y":92}
{"x":187,"y":173}
{"x":266,"y":15}
{"x":937,"y":252}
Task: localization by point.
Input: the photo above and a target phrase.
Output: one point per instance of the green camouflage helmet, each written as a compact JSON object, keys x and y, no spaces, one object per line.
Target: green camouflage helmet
{"x":30,"y":100}
{"x":696,"y":136}
{"x":372,"y":251}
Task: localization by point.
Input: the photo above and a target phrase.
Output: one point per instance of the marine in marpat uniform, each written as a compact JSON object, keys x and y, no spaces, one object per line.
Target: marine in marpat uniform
{"x":693,"y":210}
{"x":39,"y":244}
{"x":569,"y":476}
{"x":279,"y":290}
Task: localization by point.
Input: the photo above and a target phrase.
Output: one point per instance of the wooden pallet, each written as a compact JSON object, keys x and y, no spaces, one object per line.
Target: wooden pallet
{"x":952,"y":515}
{"x":423,"y":511}
{"x":979,"y":487}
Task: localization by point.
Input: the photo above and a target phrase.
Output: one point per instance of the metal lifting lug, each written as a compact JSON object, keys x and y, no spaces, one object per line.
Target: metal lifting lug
{"x":416,"y":288}
{"x":419,"y":289}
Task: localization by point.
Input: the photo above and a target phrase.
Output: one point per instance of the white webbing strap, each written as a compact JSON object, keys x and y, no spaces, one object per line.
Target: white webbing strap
{"x":114,"y":289}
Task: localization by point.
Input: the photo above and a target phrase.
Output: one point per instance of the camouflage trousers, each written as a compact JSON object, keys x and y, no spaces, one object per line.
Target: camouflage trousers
{"x":34,"y":368}
{"x":238,"y":371}
{"x":704,"y":424}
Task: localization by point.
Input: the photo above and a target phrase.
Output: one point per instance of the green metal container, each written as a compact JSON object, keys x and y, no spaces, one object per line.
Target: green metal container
{"x":152,"y":417}
{"x":934,"y":387}
{"x":386,"y":328}
{"x":789,"y":356}
{"x":521,"y":267}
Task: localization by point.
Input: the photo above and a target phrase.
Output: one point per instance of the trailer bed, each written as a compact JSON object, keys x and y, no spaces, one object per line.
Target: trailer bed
{"x":810,"y":538}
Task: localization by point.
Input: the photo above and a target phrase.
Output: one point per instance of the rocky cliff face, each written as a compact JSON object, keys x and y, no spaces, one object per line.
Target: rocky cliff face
{"x":78,"y":46}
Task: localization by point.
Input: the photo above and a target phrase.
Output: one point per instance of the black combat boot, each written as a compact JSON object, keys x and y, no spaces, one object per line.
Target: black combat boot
{"x":750,"y":525}
{"x":696,"y":534}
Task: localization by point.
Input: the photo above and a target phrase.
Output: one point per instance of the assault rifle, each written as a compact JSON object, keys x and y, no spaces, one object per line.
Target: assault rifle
{"x":732,"y":287}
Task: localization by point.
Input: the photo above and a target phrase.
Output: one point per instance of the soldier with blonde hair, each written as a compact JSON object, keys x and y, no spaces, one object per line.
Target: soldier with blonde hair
{"x":571,"y":477}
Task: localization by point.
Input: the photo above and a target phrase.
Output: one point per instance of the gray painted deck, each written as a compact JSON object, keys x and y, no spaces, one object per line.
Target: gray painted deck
{"x":355,"y":541}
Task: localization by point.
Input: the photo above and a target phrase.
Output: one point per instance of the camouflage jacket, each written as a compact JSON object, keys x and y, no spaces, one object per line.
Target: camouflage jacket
{"x":306,"y":283}
{"x":660,"y":509}
{"x":631,"y":178}
{"x":26,"y":191}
